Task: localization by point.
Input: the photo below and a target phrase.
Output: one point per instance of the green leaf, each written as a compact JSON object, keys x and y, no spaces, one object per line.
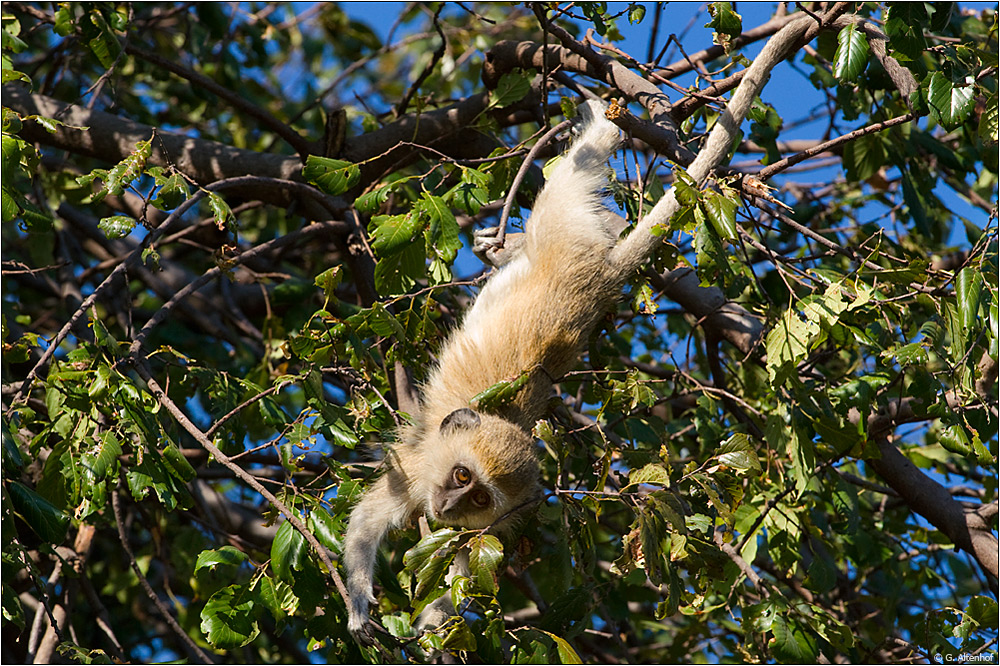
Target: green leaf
{"x":725,"y":21}
{"x":969,"y":290}
{"x":567,"y":655}
{"x":787,"y":345}
{"x":178,"y":464}
{"x":429,"y":559}
{"x":485,"y":556}
{"x":392,"y":234}
{"x":443,"y":228}
{"x":277,"y":597}
{"x":652,"y":473}
{"x":955,"y":439}
{"x":173,"y":190}
{"x":48,"y":522}
{"x":288,"y":550}
{"x":326,"y":528}
{"x":989,"y":122}
{"x":910,"y":354}
{"x":228,"y":619}
{"x":864,"y":156}
{"x":116,"y":226}
{"x":104,"y":44}
{"x":511,"y":87}
{"x":950,"y":104}
{"x":852,"y":53}
{"x":459,"y":637}
{"x":102,"y":461}
{"x":721,"y":212}
{"x":904,"y":25}
{"x":225,"y":557}
{"x":737,"y":452}
{"x":328,"y":281}
{"x":500,"y":394}
{"x":332,"y":176}
{"x":793,"y":642}
{"x":370,"y":202}
{"x":221,"y":211}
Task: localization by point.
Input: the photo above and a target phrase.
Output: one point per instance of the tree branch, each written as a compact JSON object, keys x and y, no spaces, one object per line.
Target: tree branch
{"x":301,"y":145}
{"x":631,"y":252}
{"x":142,"y":367}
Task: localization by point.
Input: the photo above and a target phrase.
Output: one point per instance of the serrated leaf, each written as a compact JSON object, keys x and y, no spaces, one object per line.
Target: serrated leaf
{"x":178,"y":464}
{"x":369,"y":202}
{"x":500,"y":394}
{"x":42,"y":516}
{"x":511,"y":87}
{"x":442,"y":229}
{"x":429,"y":559}
{"x":173,"y":191}
{"x":969,"y":290}
{"x":103,"y":459}
{"x":329,"y":280}
{"x":725,"y":21}
{"x":393,"y":233}
{"x":332,"y":176}
{"x":459,"y":637}
{"x":787,"y":345}
{"x":864,"y":156}
{"x":567,"y":655}
{"x":228,"y":620}
{"x":955,"y":439}
{"x":737,"y":452}
{"x":651,"y":473}
{"x":326,"y":528}
{"x":287,"y":552}
{"x":721,"y":213}
{"x":949,"y":104}
{"x":989,"y":122}
{"x":851,"y":56}
{"x":116,"y":226}
{"x":913,"y":353}
{"x":485,"y":555}
{"x":221,"y":211}
{"x":227,"y":556}
{"x":277,"y":597}
{"x":793,"y":642}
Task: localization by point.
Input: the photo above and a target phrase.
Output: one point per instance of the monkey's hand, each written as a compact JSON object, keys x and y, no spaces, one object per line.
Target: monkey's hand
{"x":487,"y":246}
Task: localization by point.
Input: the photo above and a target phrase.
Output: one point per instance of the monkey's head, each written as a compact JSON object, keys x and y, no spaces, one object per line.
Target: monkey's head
{"x":483,"y":467}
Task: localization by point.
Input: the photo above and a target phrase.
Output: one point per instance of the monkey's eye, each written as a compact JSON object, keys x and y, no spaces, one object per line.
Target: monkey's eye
{"x":462,"y":476}
{"x":481,"y":499}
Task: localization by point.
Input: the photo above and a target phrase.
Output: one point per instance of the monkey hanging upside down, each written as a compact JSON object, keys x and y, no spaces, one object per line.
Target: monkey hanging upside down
{"x":471,"y":469}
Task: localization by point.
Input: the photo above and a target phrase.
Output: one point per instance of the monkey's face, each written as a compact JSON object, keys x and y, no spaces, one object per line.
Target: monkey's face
{"x":485,"y":469}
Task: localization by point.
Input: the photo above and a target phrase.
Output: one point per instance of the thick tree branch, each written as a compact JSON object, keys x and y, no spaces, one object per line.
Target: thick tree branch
{"x":966,"y":528}
{"x":111,"y":138}
{"x":506,"y":55}
{"x":632,"y":251}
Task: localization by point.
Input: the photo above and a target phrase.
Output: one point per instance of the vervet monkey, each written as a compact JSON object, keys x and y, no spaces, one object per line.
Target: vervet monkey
{"x":469,"y":468}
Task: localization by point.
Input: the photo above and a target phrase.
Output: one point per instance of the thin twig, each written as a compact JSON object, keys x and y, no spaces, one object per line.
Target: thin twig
{"x":525,"y":165}
{"x":141,"y":365}
{"x":192,"y":647}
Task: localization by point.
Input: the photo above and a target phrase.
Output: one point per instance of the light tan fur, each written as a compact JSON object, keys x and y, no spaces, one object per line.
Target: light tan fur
{"x":533,"y":315}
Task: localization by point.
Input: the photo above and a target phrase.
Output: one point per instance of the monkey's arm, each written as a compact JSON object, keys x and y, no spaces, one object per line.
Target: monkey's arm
{"x":384,"y":507}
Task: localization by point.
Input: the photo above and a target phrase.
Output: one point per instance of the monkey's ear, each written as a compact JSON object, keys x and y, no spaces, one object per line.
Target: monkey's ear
{"x":460,"y":419}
